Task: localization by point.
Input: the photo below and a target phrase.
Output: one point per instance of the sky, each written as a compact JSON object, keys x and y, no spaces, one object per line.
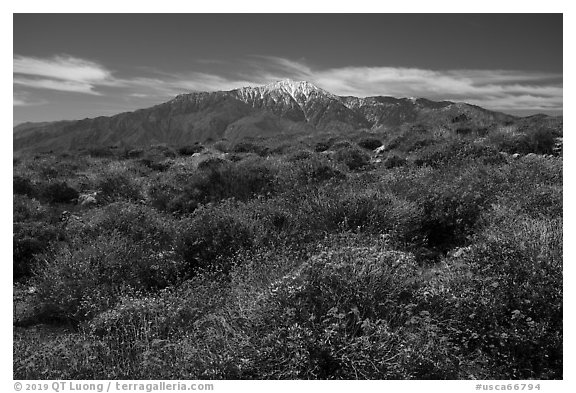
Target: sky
{"x":73,"y":66}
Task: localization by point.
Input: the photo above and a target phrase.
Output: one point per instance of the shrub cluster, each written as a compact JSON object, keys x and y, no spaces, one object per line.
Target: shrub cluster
{"x":442,"y":261}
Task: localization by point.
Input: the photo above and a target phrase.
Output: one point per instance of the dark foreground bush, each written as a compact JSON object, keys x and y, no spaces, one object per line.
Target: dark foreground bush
{"x":370,"y":143}
{"x":23,"y":186}
{"x":394,"y":161}
{"x":188,"y":150}
{"x":59,"y":192}
{"x":30,"y":239}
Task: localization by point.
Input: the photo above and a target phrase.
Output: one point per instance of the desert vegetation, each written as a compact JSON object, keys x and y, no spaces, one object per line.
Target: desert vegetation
{"x":405,"y":254}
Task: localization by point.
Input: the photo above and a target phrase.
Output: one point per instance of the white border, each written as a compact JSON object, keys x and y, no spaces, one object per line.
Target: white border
{"x":305,"y":6}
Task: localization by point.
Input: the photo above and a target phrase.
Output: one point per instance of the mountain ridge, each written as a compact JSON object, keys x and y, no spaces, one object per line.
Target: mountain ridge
{"x":281,"y":107}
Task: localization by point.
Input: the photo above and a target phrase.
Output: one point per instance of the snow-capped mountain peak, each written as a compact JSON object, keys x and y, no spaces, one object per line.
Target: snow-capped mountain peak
{"x":294,"y":88}
{"x":286,"y":96}
{"x":299,"y":91}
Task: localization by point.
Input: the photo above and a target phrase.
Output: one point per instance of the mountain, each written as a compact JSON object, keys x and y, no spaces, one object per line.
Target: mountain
{"x":280,"y":108}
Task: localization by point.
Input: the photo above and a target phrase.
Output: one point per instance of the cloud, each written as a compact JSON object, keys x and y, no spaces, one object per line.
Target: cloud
{"x":63,"y":73}
{"x":53,"y":84}
{"x":23,"y":99}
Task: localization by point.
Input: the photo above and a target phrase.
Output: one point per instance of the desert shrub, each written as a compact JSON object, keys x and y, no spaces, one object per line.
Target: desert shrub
{"x":222,"y":146}
{"x":100,"y":151}
{"x":282,"y":149}
{"x":393,"y":161}
{"x":531,"y":185}
{"x":59,"y":192}
{"x":450,"y":201}
{"x":338,"y":144}
{"x":300,"y":155}
{"x":506,"y":296}
{"x":241,"y":180}
{"x":248,"y":147}
{"x":236,"y":157}
{"x":25,"y":208}
{"x":352,"y":157}
{"x":216,"y":180}
{"x":450,"y":217}
{"x":168,"y":196}
{"x":161,"y":150}
{"x":535,"y":140}
{"x":49,"y":172}
{"x":371,"y":210}
{"x":329,"y":317}
{"x":134,"y":153}
{"x":541,"y":141}
{"x":212,"y":164}
{"x":118,"y":184}
{"x":188,"y":150}
{"x":370,"y":143}
{"x":456,"y":151}
{"x":505,"y":141}
{"x":170,"y":313}
{"x":315,"y":169}
{"x":464,"y":131}
{"x":30,"y":239}
{"x":138,"y":222}
{"x":175,"y":333}
{"x":57,"y":354}
{"x":208,"y":239}
{"x":86,"y":277}
{"x":321,"y":146}
{"x":154,"y":163}
{"x":23,"y":186}
{"x":338,"y":208}
{"x":411,"y":140}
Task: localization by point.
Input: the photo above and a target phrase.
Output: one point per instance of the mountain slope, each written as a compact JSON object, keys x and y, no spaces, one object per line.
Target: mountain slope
{"x":284,"y":107}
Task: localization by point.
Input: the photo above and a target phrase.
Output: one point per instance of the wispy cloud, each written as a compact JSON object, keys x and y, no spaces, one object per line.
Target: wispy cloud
{"x":64,"y":73}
